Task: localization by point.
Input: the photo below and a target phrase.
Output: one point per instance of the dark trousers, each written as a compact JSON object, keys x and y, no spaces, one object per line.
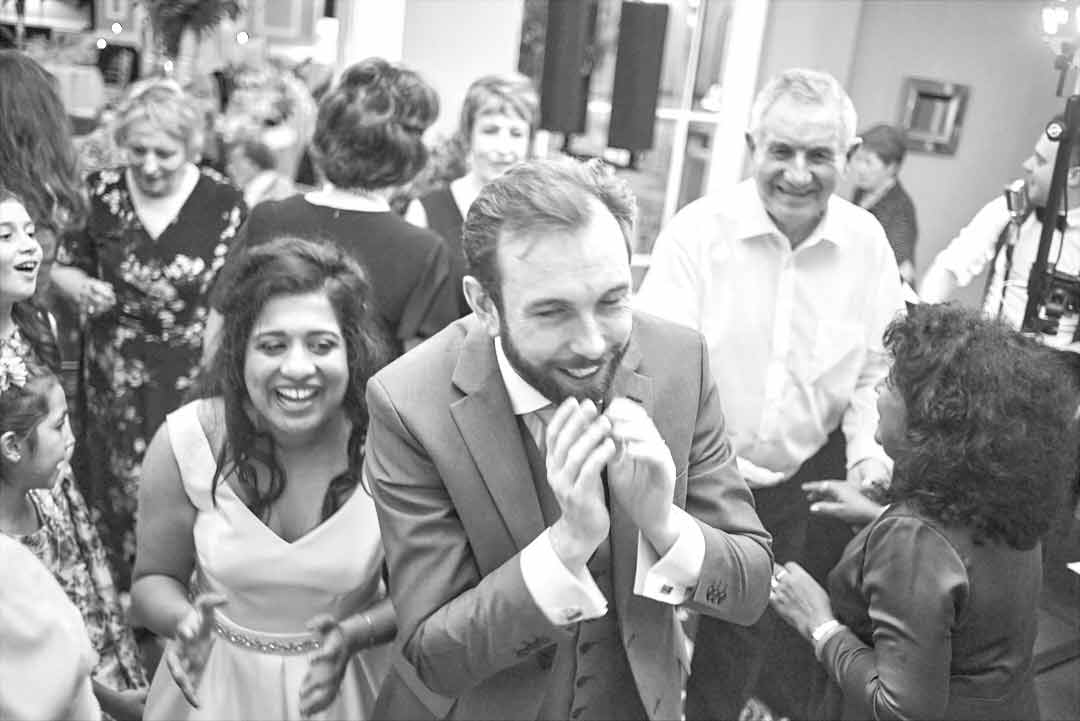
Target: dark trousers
{"x":769,"y":659}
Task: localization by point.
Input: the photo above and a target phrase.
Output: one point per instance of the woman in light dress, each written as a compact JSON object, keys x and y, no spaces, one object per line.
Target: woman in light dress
{"x":259,"y":554}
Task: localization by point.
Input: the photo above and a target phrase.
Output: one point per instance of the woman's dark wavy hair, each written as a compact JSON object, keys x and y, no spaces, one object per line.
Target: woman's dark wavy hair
{"x":36,"y":153}
{"x":991,"y":430}
{"x":290,"y":266}
{"x":370,"y":126}
{"x":33,"y":320}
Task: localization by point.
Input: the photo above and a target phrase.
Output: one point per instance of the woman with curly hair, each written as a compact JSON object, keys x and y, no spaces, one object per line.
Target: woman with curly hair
{"x":368,"y":140}
{"x":253,"y":502}
{"x":931,"y":611}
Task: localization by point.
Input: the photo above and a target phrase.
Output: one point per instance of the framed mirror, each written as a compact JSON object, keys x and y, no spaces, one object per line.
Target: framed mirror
{"x":932,"y":113}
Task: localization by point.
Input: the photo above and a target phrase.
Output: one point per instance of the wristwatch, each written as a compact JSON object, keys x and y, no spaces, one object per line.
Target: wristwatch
{"x":822,"y":633}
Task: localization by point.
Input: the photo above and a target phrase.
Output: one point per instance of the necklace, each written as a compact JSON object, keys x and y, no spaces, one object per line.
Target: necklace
{"x":15,"y":343}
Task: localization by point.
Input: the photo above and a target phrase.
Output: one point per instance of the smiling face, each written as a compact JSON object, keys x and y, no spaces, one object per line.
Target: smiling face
{"x":498,"y":142}
{"x":156,"y":159}
{"x":797,"y":154}
{"x":1039,"y":168}
{"x":565,"y":318}
{"x":20,"y":253}
{"x":43,"y":461}
{"x":295,"y":367}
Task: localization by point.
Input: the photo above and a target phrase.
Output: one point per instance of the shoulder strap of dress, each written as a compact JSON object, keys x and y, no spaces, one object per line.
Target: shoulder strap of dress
{"x":193,"y":453}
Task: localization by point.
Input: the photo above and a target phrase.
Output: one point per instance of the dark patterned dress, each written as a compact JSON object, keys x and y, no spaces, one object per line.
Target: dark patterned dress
{"x":67,"y":543}
{"x":140,"y":358}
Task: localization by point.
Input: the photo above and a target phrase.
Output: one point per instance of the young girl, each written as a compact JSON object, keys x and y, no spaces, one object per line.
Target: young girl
{"x":39,"y":504}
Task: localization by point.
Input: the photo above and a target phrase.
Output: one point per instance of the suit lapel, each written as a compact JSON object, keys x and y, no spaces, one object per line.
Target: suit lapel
{"x":487,"y":425}
{"x":628,"y":383}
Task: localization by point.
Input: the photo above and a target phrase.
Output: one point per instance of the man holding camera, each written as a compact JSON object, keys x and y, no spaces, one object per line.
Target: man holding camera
{"x":991,"y":237}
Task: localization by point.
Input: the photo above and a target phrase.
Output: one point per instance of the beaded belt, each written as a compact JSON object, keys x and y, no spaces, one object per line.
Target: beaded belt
{"x":278,"y":644}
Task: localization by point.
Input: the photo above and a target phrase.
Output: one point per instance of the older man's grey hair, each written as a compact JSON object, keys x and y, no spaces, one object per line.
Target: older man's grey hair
{"x":806,"y":87}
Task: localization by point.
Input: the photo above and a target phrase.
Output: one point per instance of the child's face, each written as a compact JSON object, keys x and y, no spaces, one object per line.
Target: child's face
{"x":20,"y":253}
{"x":54,"y":443}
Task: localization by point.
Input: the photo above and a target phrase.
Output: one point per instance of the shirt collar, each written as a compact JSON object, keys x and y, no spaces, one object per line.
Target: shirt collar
{"x":334,"y":197}
{"x":524,"y":399}
{"x":257,"y":186}
{"x":756,"y":223}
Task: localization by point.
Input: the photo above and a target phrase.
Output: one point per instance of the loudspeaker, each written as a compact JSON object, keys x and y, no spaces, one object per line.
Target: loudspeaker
{"x":568,"y":61}
{"x":638,"y":60}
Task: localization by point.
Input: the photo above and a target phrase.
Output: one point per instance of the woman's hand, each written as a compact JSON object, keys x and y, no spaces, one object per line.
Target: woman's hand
{"x":186,"y":653}
{"x":798,"y":598}
{"x":326,"y":667}
{"x":121,"y":705}
{"x":841,"y":499}
{"x":96,"y":296}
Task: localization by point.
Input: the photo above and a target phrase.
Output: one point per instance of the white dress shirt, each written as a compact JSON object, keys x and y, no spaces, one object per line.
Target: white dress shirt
{"x":967,"y":255}
{"x":567,"y":598}
{"x":795,"y":337}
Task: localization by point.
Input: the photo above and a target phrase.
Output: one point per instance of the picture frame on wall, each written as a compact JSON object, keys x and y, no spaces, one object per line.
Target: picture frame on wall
{"x":932,"y":114}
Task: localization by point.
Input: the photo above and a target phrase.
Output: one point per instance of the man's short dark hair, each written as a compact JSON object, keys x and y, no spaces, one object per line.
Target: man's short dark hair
{"x":538,"y":197}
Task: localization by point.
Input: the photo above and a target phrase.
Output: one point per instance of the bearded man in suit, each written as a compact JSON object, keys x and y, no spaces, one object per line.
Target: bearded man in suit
{"x":553,"y":478}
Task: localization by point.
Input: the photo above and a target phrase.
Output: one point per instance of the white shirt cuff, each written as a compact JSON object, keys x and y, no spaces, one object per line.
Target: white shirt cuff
{"x":563,"y":597}
{"x":671,"y":579}
{"x":861,"y":451}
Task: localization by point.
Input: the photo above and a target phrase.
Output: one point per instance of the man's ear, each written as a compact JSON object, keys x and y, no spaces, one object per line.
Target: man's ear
{"x":854,"y":145}
{"x":10,"y":449}
{"x":482,"y":304}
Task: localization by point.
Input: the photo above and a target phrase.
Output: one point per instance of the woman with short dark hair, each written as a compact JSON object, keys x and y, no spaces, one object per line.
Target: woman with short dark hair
{"x":368,"y":140}
{"x":874,"y":167}
{"x":931,"y":611}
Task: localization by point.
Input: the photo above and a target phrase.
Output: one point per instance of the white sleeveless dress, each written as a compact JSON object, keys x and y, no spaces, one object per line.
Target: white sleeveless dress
{"x":273,"y":588}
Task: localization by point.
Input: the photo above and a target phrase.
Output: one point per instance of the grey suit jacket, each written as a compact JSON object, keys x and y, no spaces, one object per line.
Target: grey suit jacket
{"x":456,"y":503}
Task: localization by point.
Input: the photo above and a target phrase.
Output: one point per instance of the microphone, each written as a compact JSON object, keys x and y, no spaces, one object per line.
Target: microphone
{"x":1016,"y":199}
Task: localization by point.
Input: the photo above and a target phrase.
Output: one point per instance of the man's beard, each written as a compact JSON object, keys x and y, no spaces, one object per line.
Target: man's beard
{"x":544,"y":380}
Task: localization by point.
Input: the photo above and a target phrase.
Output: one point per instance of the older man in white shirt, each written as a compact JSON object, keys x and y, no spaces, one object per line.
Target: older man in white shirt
{"x":792,"y":288}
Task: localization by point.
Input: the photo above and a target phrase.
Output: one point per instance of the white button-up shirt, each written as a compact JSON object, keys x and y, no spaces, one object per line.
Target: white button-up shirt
{"x":967,"y":255}
{"x":795,"y":336}
{"x":565,"y":597}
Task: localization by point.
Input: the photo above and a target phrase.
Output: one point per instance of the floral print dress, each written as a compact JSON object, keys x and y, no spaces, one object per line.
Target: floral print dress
{"x":140,"y":358}
{"x":67,"y":543}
